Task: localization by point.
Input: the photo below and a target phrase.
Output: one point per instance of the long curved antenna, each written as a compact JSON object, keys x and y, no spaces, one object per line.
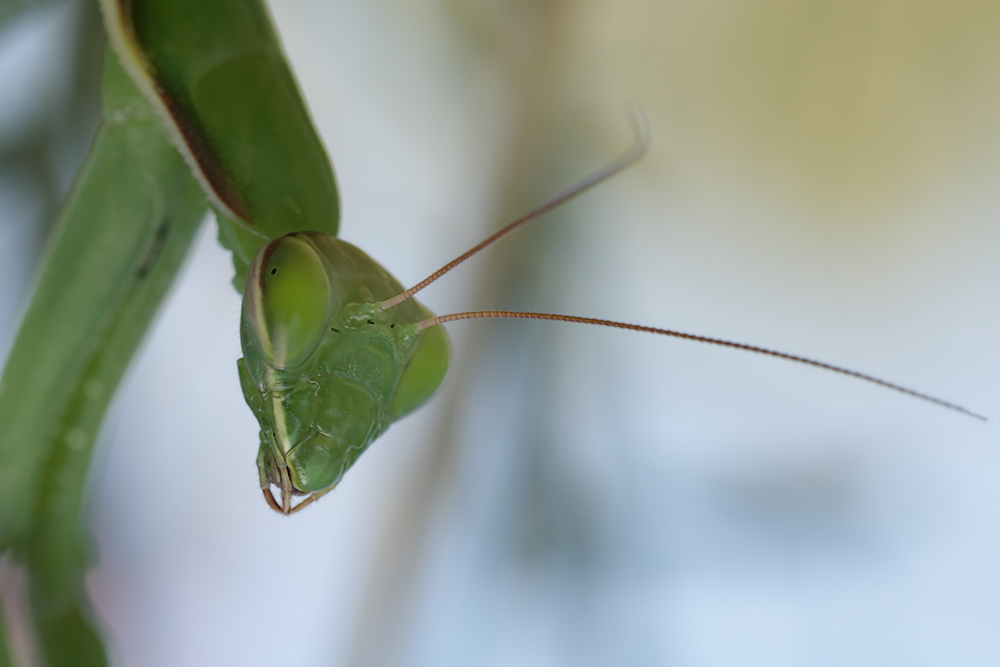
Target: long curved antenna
{"x":638,"y":149}
{"x":508,"y":314}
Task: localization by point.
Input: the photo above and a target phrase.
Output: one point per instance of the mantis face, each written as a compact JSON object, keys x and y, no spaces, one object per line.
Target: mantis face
{"x":326,"y":369}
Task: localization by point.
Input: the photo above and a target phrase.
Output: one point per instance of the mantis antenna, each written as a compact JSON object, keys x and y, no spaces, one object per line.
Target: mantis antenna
{"x":432,"y":321}
{"x":638,"y":149}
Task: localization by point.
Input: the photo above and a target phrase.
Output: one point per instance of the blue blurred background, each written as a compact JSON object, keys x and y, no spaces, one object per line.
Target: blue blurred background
{"x":823,"y":180}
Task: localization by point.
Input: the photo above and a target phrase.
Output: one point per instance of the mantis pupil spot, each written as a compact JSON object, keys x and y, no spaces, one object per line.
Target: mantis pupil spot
{"x":274,"y":270}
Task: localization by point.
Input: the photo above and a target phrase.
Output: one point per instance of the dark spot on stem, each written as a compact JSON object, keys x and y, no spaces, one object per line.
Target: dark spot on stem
{"x":154,"y":250}
{"x":334,"y":330}
{"x":371,"y":321}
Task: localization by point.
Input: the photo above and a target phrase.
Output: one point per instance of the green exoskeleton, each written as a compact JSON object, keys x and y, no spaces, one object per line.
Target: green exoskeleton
{"x":326,"y":369}
{"x":335,"y":349}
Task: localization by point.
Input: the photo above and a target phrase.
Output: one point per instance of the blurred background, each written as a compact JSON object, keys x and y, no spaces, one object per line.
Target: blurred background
{"x":822,"y":180}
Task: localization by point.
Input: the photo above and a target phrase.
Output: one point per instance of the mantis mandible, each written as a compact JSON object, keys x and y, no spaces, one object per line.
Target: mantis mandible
{"x":335,"y":349}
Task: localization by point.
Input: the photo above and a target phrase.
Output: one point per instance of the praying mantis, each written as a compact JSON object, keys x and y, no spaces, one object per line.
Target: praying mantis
{"x":276,"y":214}
{"x":334,"y":348}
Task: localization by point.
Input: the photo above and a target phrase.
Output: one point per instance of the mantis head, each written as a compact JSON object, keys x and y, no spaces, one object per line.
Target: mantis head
{"x":326,"y":368}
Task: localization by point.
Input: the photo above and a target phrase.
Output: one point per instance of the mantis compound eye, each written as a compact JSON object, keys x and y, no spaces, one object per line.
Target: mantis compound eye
{"x":287,"y":301}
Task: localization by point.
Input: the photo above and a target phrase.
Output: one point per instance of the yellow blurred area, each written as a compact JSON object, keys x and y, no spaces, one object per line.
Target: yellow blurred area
{"x":842,"y":107}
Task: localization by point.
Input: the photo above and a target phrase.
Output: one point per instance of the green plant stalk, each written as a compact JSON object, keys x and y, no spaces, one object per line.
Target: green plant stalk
{"x":5,"y":658}
{"x":120,"y":239}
